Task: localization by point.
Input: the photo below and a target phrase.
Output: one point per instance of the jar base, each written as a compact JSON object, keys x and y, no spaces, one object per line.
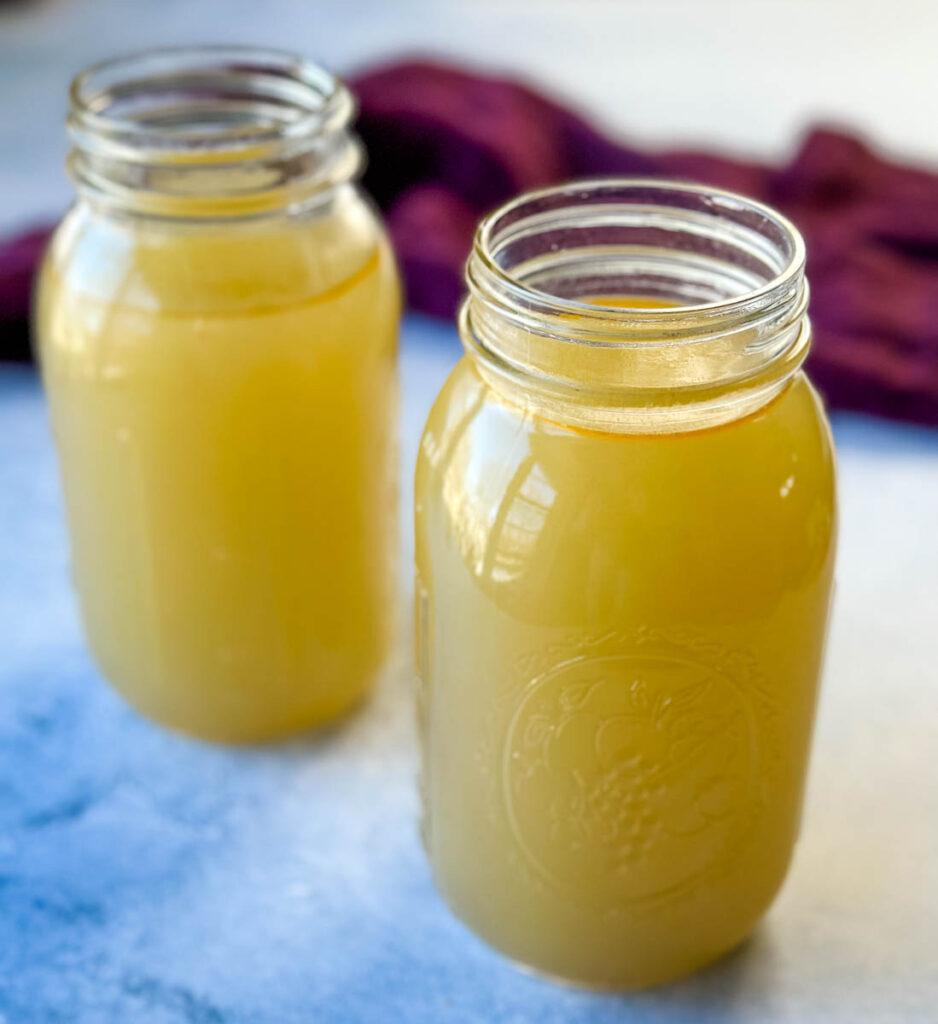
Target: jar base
{"x":250,"y":730}
{"x":676,"y":968}
{"x":707,"y":963}
{"x":314,"y":722}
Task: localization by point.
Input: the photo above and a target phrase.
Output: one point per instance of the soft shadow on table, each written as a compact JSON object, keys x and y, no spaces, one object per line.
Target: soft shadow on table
{"x":709,"y":995}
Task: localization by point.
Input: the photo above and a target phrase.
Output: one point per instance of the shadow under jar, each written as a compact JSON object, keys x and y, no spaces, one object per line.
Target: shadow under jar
{"x":625,"y":534}
{"x":217,"y":323}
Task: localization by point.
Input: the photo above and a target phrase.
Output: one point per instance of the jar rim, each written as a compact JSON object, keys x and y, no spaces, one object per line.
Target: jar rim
{"x":724,"y":328}
{"x":620,"y":324}
{"x":110,"y":115}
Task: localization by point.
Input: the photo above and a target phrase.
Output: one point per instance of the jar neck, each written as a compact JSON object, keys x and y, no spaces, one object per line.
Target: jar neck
{"x":637,"y":306}
{"x":210,"y":132}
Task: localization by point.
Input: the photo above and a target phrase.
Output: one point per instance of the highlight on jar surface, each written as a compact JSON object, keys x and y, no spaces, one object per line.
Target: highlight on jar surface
{"x":217,"y":320}
{"x":625,"y":537}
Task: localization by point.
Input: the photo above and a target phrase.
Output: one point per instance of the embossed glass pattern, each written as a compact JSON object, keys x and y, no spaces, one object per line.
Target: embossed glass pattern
{"x":625,"y":533}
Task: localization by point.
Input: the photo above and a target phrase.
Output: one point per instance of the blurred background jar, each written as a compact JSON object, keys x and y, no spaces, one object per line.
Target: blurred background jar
{"x":217,"y":321}
{"x":625,"y":535}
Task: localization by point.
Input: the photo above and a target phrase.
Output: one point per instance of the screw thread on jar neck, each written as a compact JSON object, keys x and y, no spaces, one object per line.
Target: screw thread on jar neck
{"x":721,"y":328}
{"x":210,"y":132}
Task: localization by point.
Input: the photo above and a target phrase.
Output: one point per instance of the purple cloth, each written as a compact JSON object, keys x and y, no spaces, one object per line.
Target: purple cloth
{"x":19,"y":258}
{"x":447,"y":145}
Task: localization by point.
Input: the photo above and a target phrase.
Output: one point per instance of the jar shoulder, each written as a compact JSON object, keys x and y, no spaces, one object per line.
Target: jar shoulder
{"x":224,"y":266}
{"x":531,"y":505}
{"x":468,"y":416}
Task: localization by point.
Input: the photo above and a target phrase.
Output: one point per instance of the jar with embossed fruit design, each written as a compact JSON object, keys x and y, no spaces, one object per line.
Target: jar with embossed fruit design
{"x":626,"y":525}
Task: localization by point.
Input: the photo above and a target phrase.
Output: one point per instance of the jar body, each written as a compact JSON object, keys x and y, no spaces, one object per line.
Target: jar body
{"x":223,"y":399}
{"x":618,"y":641}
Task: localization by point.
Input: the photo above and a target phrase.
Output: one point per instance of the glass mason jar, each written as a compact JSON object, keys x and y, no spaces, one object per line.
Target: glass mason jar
{"x":217,"y":323}
{"x":625,"y":540}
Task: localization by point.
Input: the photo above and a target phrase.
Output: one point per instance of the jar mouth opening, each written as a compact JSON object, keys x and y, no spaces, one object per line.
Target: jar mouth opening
{"x":205,"y":105}
{"x":621,"y":299}
{"x":713,"y":259}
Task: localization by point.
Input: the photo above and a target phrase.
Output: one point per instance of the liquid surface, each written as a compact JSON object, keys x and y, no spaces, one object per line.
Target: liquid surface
{"x":223,"y":399}
{"x":618,"y":639}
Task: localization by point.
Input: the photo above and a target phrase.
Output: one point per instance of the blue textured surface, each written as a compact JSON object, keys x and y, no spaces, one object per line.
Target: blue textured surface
{"x":146,"y":878}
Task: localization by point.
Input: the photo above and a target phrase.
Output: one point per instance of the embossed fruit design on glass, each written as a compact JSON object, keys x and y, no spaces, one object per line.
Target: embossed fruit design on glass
{"x":625,"y":541}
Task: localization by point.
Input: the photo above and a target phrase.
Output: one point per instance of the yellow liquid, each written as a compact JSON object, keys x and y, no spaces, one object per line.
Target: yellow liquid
{"x":223,"y":399}
{"x":618,"y":640}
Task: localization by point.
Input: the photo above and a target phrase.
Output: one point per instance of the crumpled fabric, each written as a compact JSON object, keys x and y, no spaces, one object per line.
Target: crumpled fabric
{"x":19,"y":258}
{"x":447,"y":145}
